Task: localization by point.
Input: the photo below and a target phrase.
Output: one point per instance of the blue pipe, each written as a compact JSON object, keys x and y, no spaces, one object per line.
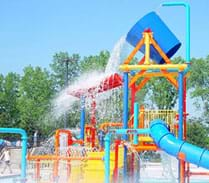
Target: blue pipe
{"x":187,"y":6}
{"x":82,"y":118}
{"x":107,"y":158}
{"x":133,"y":73}
{"x":166,"y":141}
{"x":24,"y":147}
{"x":125,"y":102}
{"x":181,"y":101}
{"x":136,"y":121}
{"x":129,"y":131}
{"x":181,"y":114}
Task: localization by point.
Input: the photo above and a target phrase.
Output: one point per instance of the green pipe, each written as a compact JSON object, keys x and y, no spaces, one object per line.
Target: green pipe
{"x":187,"y":6}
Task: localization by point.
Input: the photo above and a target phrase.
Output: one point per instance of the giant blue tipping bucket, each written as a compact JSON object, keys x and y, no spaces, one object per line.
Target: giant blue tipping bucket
{"x":161,"y":33}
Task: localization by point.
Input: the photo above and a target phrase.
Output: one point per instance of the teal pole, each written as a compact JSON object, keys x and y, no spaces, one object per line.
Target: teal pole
{"x":181,"y":101}
{"x":24,"y":154}
{"x":136,"y":112}
{"x":107,"y":158}
{"x":24,"y":147}
{"x":129,"y":131}
{"x":187,"y":6}
{"x":181,"y":114}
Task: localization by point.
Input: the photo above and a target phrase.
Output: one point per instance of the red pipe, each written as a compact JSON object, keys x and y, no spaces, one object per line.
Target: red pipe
{"x":185,"y":166}
{"x":133,"y":95}
{"x":93,"y":121}
{"x":115,"y":174}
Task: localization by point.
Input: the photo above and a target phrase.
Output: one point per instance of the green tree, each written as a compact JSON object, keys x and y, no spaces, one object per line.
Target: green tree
{"x":2,"y":101}
{"x":11,"y":92}
{"x":199,"y":83}
{"x":59,"y":68}
{"x":36,"y":90}
{"x":161,"y":92}
{"x":97,"y":62}
{"x":197,"y":133}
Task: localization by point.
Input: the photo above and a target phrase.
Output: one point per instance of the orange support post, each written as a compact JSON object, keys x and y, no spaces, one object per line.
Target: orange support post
{"x":170,"y":78}
{"x":136,"y":77}
{"x":181,"y":156}
{"x":37,"y":173}
{"x":143,"y":82}
{"x":68,"y":169}
{"x":133,"y":53}
{"x":141,"y":117}
{"x":160,"y":51}
{"x":56,"y":169}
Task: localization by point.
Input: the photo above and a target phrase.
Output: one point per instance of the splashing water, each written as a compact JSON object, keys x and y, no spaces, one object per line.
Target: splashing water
{"x":64,"y":101}
{"x":117,"y":56}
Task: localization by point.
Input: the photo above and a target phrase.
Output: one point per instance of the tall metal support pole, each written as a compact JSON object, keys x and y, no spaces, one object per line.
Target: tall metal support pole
{"x":66,"y":73}
{"x":66,"y":84}
{"x":82,"y":118}
{"x":181,"y":120}
{"x":125,"y":118}
{"x":187,"y":57}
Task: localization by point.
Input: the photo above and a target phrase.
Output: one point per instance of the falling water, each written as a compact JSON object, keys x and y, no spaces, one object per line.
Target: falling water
{"x":118,"y":54}
{"x":64,"y":101}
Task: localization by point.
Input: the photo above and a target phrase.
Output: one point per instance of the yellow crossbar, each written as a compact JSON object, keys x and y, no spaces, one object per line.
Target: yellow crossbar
{"x":145,"y":139}
{"x":127,"y":68}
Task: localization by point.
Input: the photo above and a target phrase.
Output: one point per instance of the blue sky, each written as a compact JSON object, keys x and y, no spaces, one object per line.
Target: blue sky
{"x":33,"y":30}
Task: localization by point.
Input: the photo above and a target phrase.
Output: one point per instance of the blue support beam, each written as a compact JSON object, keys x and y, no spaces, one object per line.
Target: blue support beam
{"x":82,"y":118}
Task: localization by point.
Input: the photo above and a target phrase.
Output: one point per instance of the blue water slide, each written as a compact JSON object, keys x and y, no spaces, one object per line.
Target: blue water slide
{"x":166,"y":141}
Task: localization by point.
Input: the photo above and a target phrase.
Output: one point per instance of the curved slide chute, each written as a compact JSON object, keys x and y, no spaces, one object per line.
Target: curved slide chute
{"x":166,"y":141}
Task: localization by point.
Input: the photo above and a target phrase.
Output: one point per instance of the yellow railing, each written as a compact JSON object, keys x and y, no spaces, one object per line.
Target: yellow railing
{"x":169,"y":116}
